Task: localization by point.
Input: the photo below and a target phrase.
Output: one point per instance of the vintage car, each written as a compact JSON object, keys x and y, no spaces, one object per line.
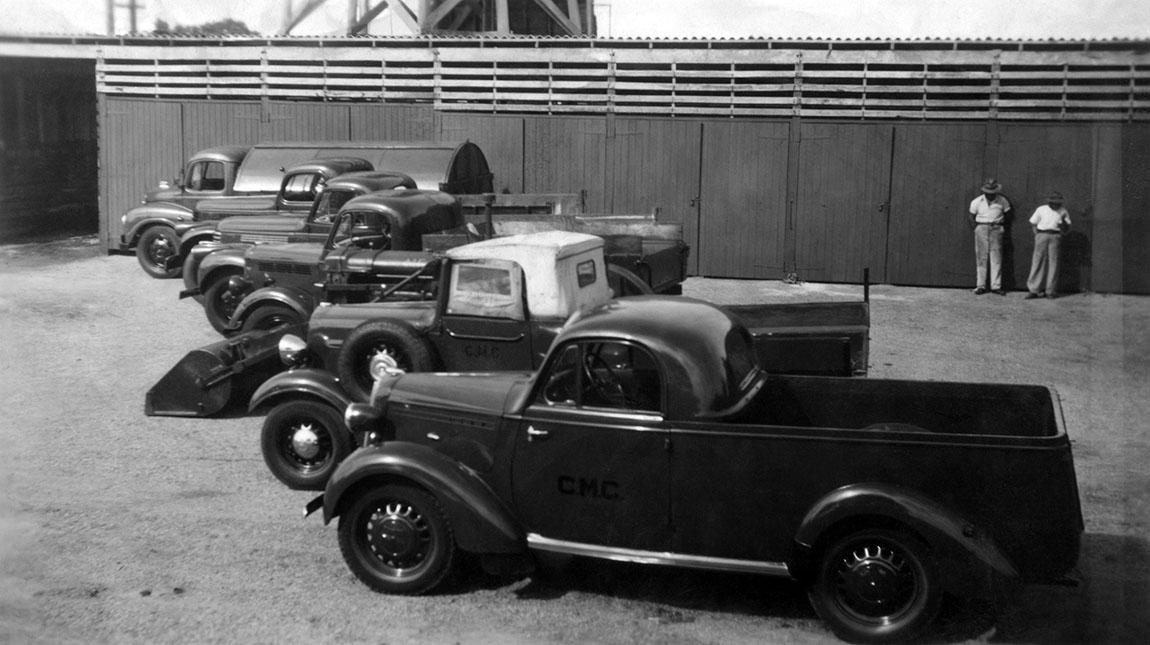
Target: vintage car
{"x":652,"y":435}
{"x":500,"y":303}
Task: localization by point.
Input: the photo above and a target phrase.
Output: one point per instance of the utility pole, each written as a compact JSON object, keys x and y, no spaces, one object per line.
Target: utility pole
{"x":133,"y":6}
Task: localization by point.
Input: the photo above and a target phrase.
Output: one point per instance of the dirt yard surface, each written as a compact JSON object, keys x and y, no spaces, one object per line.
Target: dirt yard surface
{"x":117,"y":527}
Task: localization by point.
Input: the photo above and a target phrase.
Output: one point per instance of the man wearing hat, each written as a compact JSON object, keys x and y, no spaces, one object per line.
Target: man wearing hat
{"x":1049,"y":221}
{"x":987,"y":218}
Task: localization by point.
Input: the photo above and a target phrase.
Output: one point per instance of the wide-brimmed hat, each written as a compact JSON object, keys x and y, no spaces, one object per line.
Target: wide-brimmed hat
{"x":991,"y":185}
{"x":1054,"y":197}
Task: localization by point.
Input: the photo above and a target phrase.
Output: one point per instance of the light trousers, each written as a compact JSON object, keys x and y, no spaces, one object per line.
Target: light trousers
{"x":1044,"y":264}
{"x":988,"y":251}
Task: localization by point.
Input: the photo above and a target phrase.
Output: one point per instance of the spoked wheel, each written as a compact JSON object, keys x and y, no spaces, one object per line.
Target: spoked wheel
{"x":876,"y":586}
{"x":157,"y":250}
{"x":396,"y":539}
{"x":303,"y":442}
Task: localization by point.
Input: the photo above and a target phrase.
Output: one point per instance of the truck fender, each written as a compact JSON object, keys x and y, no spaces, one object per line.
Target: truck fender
{"x":966,"y":558}
{"x":295,"y":384}
{"x":194,"y":236}
{"x":480,"y":521}
{"x":298,"y":301}
{"x":221,"y":257}
{"x":200,"y":266}
{"x":136,"y":219}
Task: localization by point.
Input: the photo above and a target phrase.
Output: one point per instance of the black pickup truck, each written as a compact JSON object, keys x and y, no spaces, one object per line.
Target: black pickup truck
{"x":651,"y":434}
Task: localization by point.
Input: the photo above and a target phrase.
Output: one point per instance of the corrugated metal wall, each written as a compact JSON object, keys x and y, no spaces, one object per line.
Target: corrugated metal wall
{"x":140,"y":145}
{"x":757,"y":198}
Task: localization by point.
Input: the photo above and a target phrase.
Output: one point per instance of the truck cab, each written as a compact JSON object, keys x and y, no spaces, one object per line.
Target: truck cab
{"x":368,"y":249}
{"x":208,"y":174}
{"x":162,"y":232}
{"x":652,"y":434}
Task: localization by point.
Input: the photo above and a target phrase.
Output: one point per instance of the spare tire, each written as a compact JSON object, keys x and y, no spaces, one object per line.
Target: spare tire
{"x":410,"y":352}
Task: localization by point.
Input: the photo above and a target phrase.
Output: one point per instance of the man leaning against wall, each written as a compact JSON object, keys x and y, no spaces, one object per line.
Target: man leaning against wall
{"x":988,"y":220}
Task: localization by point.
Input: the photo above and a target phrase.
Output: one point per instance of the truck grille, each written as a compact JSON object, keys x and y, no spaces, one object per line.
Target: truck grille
{"x":283,"y":267}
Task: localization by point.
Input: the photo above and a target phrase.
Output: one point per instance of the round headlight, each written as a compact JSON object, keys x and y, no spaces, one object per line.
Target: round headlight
{"x":291,"y":349}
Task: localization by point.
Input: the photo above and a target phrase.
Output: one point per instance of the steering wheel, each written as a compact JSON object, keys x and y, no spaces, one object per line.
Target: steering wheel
{"x":604,"y":380}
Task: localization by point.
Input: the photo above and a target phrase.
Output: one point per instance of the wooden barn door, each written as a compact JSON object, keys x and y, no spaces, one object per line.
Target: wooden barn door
{"x":653,"y":165}
{"x":566,"y":155}
{"x":1032,"y":161}
{"x":936,"y":171}
{"x":743,"y":199}
{"x":842,"y":200}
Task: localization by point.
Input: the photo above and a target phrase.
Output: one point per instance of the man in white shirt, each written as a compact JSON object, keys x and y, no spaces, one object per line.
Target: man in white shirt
{"x":987,"y":218}
{"x":1049,"y":222}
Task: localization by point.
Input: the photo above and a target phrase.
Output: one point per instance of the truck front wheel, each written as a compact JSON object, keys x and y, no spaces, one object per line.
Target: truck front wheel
{"x":158,"y":252}
{"x":372,"y":339}
{"x":219,"y":302}
{"x":302,"y":443}
{"x":270,"y":316}
{"x":876,"y":586}
{"x":396,"y":539}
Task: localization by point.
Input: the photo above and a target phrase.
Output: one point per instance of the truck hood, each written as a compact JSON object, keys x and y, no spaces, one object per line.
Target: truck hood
{"x":299,"y":253}
{"x":256,"y":203}
{"x":263,"y":224}
{"x":485,"y":393}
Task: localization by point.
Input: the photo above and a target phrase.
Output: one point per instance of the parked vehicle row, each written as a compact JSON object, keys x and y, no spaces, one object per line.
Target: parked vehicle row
{"x":233,"y":180}
{"x":484,"y":382}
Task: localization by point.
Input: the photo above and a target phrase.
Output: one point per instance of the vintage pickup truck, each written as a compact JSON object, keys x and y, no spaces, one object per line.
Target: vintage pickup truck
{"x":271,"y":284}
{"x":499,"y":305}
{"x":162,"y":232}
{"x":208,"y":266}
{"x":154,"y":228}
{"x":651,"y":434}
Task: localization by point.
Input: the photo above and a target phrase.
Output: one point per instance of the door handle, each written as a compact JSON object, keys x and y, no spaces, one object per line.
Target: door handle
{"x":532,"y":433}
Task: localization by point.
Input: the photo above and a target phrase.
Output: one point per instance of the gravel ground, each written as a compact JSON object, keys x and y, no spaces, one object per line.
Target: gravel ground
{"x":116,"y":527}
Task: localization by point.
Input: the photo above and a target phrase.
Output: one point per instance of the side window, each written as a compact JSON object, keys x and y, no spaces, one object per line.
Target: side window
{"x":488,"y":290}
{"x":206,"y":175}
{"x":329,"y":204}
{"x":606,"y":375}
{"x":300,"y":188}
{"x":563,"y":381}
{"x":585,"y":273}
{"x":213,"y":176}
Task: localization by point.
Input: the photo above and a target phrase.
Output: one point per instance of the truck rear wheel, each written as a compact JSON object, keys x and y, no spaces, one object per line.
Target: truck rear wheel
{"x":876,"y":586}
{"x":396,"y":539}
{"x":408,"y":350}
{"x":158,"y":250}
{"x":302,"y":443}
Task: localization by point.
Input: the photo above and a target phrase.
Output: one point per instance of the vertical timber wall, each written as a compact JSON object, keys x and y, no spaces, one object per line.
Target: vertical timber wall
{"x":810,"y":158}
{"x":761,"y":198}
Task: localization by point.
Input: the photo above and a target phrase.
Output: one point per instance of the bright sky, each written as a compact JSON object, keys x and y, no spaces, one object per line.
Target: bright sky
{"x":657,"y":18}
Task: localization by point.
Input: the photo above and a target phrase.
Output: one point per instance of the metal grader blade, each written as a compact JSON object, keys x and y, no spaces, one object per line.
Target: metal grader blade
{"x":209,"y":379}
